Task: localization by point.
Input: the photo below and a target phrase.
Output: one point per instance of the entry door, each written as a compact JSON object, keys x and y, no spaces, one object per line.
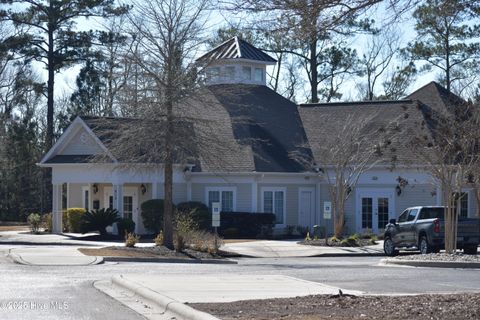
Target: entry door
{"x":305,"y":207}
{"x":375,"y":211}
{"x":130,"y":202}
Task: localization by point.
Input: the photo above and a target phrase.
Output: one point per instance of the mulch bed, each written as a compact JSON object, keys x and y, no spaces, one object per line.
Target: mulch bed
{"x":148,"y":252}
{"x":322,"y":243}
{"x":448,"y":306}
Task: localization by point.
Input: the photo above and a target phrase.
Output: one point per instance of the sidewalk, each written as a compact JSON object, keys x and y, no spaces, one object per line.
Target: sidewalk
{"x":284,"y":249}
{"x":169,"y":295}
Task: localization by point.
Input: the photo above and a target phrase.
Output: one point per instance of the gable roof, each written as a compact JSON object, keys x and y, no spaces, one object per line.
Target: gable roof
{"x":236,"y":48}
{"x":327,"y":124}
{"x":53,"y":156}
{"x":437,"y":98}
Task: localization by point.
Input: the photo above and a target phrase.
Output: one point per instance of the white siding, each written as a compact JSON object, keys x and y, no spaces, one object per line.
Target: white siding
{"x":243,"y":194}
{"x":415,"y":195}
{"x":81,"y":146}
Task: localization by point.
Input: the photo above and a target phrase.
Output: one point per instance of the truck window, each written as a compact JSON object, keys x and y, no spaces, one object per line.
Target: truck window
{"x":403,"y":216}
{"x":412,"y":214}
{"x":431,"y":213}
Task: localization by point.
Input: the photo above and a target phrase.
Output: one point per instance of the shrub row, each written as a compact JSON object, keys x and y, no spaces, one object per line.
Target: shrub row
{"x":246,"y":224}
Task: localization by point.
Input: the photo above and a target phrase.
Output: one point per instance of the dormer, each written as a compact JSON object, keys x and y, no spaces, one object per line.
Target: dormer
{"x":236,"y":61}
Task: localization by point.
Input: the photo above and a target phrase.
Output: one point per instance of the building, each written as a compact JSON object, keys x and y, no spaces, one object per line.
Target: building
{"x":269,"y":146}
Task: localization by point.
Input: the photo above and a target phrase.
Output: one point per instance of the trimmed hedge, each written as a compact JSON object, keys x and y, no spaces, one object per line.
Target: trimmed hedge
{"x":74,"y":218}
{"x":125,"y":226}
{"x":199,"y":212}
{"x":152,"y":215}
{"x":246,"y":224}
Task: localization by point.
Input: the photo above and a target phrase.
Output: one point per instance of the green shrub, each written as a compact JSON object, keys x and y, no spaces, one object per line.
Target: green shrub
{"x":302,"y":231}
{"x":152,"y":214}
{"x":74,"y":218}
{"x":99,"y":220}
{"x":125,"y":226}
{"x":159,"y":239}
{"x":34,"y":220}
{"x":131,"y":240}
{"x":47,"y":222}
{"x":230,"y":233}
{"x":199,"y":212}
{"x":333,"y":239}
{"x":373,"y":240}
{"x":289,"y":230}
{"x":247,"y":225}
{"x":351,"y":241}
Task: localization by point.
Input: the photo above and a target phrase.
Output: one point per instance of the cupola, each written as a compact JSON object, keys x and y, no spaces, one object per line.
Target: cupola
{"x":236,"y":61}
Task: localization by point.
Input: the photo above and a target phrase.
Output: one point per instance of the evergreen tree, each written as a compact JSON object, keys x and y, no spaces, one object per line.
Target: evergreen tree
{"x":447,"y":37}
{"x":50,"y":36}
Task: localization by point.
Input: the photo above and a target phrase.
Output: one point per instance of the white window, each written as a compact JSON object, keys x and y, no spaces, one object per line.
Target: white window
{"x":230,"y":73}
{"x":273,"y":200}
{"x":247,"y":73}
{"x":225,"y":195}
{"x":258,"y":74}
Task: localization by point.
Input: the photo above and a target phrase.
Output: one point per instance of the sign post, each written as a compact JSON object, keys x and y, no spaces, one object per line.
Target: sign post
{"x":327,"y":215}
{"x":216,"y":207}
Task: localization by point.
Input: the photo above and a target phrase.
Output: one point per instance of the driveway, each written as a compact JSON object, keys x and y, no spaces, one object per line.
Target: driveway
{"x":290,"y":249}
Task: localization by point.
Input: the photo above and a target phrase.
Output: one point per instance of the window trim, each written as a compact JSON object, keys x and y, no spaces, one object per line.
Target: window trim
{"x":220,"y":189}
{"x":276,"y":189}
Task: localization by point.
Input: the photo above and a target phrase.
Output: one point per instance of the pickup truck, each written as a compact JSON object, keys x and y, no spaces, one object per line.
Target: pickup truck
{"x":423,"y":228}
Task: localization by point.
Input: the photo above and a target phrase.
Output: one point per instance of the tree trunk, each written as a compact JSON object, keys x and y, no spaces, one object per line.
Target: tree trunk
{"x":313,"y":71}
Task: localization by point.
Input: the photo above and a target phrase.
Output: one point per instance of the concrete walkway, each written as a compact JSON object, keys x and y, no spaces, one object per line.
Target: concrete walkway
{"x":165,"y":297}
{"x":284,"y":249}
{"x":52,"y":256}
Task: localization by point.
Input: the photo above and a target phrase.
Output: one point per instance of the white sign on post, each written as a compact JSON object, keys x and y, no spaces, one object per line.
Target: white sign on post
{"x":327,"y":210}
{"x":216,"y":207}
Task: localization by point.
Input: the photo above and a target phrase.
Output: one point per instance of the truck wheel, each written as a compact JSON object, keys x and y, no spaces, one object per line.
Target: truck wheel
{"x":389,"y":247}
{"x":423,"y":245}
{"x":470,"y":250}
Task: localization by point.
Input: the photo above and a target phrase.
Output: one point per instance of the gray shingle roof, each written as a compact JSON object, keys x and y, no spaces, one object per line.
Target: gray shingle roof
{"x":236,"y":48}
{"x":437,"y":98}
{"x":327,"y":125}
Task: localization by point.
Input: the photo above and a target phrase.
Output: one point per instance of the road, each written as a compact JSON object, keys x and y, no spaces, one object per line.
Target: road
{"x":37,"y":292}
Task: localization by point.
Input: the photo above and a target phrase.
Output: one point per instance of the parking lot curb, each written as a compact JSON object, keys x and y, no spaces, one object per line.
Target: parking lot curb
{"x":180,"y":310}
{"x":432,"y":264}
{"x":16,"y":258}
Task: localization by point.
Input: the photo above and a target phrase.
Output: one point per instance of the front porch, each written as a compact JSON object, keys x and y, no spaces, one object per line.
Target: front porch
{"x":125,"y":198}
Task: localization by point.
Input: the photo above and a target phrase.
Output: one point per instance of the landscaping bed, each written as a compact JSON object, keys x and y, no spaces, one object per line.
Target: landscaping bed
{"x":448,"y":306}
{"x":148,"y":252}
{"x":440,"y":257}
{"x":323,"y":243}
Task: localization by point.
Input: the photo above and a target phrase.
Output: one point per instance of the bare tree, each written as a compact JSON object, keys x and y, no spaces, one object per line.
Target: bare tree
{"x":167,"y":32}
{"x":380,"y":50}
{"x":447,"y":144}
{"x":345,"y":151}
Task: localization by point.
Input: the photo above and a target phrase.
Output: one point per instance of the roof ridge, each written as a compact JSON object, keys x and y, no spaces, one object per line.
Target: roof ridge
{"x":340,"y":103}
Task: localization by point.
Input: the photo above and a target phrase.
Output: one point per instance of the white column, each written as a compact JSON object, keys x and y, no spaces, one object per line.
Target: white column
{"x":118,"y":198}
{"x":68,"y":195}
{"x":318,"y":205}
{"x":254,"y":195}
{"x":57,"y":208}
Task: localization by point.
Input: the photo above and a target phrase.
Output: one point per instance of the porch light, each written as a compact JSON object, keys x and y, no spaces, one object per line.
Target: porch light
{"x":143,"y":188}
{"x":95,"y":188}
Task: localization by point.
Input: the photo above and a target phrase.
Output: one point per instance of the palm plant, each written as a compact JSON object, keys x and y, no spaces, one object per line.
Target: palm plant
{"x":99,"y":220}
